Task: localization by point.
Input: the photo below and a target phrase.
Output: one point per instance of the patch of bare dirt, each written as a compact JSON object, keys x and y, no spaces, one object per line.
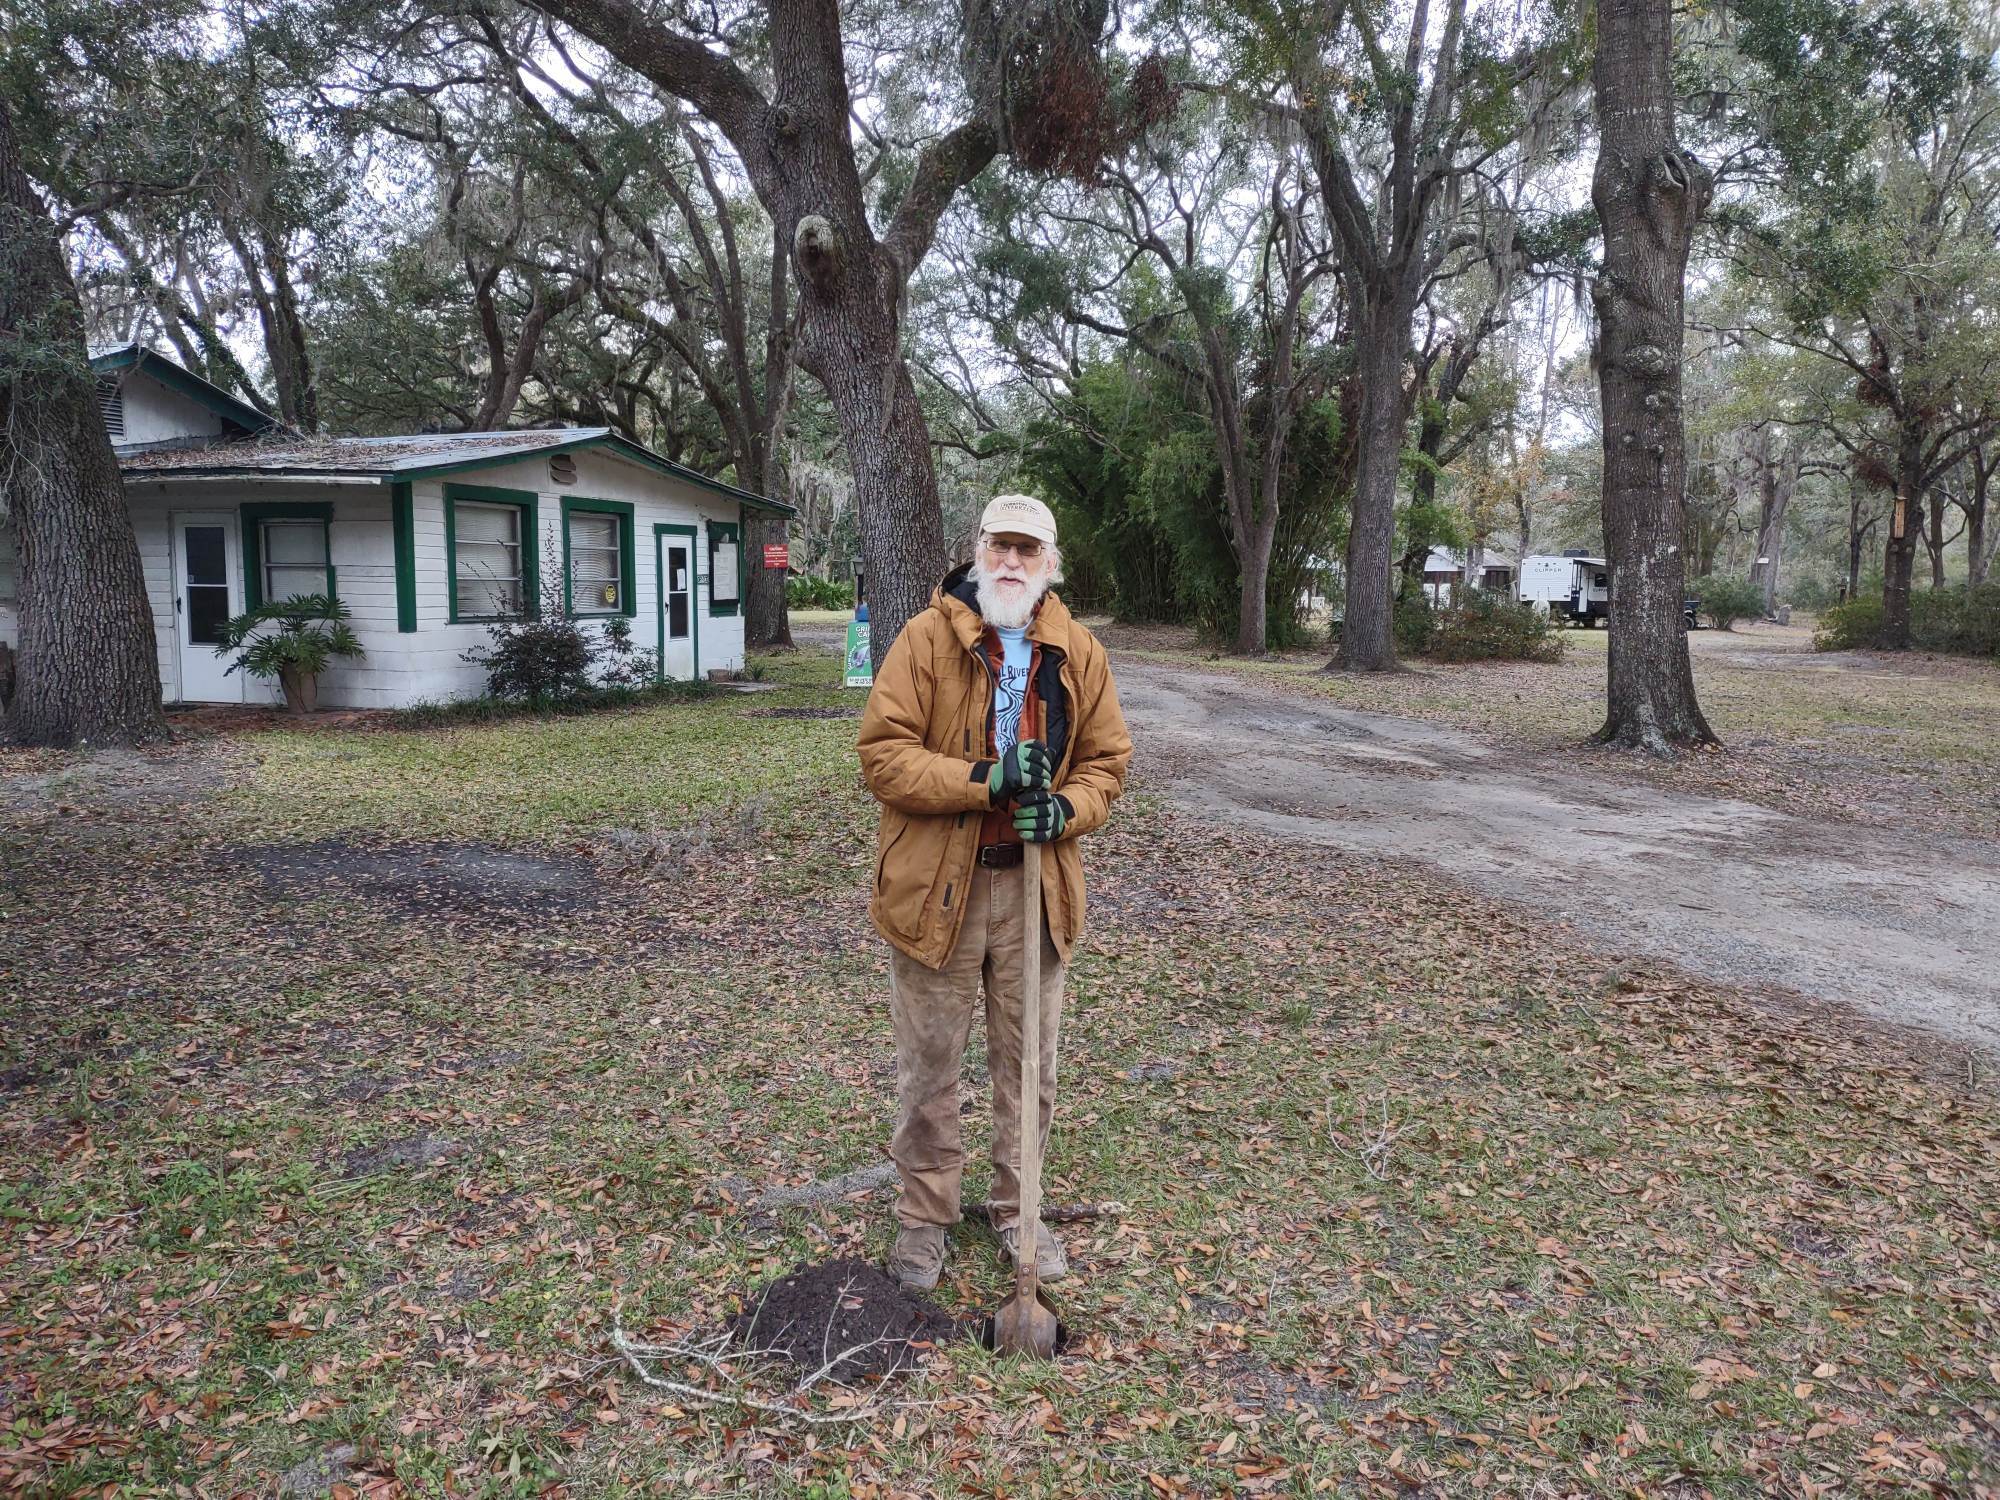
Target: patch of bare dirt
{"x":1729,"y":890}
{"x":430,"y":879}
{"x":845,"y":1308}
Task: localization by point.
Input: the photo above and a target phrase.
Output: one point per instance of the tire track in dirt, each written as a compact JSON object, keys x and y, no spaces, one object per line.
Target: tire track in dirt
{"x":1902,"y":929}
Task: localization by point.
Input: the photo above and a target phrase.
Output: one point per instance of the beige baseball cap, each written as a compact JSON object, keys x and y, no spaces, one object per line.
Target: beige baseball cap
{"x":1023,"y":515}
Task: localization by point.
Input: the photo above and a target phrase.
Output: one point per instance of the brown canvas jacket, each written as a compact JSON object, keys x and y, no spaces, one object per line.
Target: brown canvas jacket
{"x":924,"y":745}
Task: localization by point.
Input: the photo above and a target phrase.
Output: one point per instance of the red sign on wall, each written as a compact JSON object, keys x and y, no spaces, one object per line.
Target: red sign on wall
{"x":776,"y":555}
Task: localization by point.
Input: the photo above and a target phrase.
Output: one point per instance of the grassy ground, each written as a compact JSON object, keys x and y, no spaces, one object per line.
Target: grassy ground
{"x":355,"y":1080}
{"x":1910,"y":741}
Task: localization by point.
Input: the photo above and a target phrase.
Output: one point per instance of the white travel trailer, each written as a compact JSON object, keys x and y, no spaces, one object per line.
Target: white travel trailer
{"x":1571,"y":587}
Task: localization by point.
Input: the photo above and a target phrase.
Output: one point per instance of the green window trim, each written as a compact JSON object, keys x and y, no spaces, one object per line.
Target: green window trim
{"x":628,"y":552}
{"x":661,"y":531}
{"x":253,"y":514}
{"x":719,"y":533}
{"x":403,"y":526}
{"x":529,"y":504}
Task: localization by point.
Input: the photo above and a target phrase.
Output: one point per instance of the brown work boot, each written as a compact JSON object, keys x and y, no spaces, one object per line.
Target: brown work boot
{"x":1050,"y":1262}
{"x":918,"y":1256}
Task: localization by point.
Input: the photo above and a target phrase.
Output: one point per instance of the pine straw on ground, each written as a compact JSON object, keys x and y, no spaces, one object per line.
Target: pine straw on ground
{"x":1420,"y":1196}
{"x":1909,"y":741}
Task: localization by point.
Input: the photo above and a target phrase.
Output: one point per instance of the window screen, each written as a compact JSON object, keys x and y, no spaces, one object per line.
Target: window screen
{"x":294,"y":554}
{"x":594,"y":585}
{"x":487,"y":543}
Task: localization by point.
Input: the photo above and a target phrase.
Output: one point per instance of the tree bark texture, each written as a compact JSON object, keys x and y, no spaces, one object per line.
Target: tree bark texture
{"x":88,"y":668}
{"x":1977,"y":558}
{"x":1777,"y":481}
{"x":1906,"y":522}
{"x":796,"y":149}
{"x":1367,"y":633}
{"x":1649,"y":195}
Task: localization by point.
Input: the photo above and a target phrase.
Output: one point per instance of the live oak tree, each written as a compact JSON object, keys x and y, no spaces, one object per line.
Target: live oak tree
{"x":1649,"y":194}
{"x":88,"y":670}
{"x":1201,"y":252}
{"x":1405,"y":111}
{"x":180,"y":154}
{"x":789,"y":116}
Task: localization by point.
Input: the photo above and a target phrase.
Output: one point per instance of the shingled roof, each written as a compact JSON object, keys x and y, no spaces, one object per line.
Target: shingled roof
{"x":420,"y":456}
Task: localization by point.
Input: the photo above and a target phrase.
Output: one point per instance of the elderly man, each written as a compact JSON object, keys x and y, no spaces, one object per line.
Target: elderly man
{"x":993,"y":721}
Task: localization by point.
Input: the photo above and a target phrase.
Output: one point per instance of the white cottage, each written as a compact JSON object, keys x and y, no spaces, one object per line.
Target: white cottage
{"x":426,"y":539}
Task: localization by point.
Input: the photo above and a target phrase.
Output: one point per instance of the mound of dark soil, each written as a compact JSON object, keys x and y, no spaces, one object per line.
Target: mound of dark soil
{"x":819,"y":1311}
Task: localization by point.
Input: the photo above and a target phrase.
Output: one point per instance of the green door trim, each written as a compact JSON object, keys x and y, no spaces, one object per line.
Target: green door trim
{"x":661,"y":531}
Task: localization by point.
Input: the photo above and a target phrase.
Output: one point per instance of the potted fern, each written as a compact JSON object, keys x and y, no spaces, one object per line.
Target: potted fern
{"x":311,"y":630}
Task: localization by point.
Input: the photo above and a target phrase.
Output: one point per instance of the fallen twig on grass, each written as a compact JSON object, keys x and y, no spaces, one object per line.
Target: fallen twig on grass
{"x":1373,"y":1154}
{"x":1059,"y":1213}
{"x":710,"y":1354}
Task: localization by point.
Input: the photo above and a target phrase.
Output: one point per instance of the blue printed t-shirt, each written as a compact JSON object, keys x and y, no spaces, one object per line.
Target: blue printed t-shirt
{"x":1010,"y":686}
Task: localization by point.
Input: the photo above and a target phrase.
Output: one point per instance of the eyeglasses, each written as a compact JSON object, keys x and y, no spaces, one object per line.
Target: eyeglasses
{"x":1026,"y":551}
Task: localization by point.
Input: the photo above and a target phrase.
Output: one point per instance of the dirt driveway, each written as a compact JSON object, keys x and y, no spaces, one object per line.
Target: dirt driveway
{"x":1901,"y":927}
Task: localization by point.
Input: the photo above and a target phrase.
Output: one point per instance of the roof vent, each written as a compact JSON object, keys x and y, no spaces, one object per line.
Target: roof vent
{"x":562,"y":468}
{"x":111,"y":406}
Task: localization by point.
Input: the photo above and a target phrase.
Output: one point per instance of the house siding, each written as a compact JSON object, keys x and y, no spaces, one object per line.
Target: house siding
{"x":155,"y":415}
{"x":427,"y":664}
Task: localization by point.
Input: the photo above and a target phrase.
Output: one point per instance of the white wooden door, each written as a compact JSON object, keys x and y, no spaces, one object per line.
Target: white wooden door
{"x":208,"y":589}
{"x":679,"y":640}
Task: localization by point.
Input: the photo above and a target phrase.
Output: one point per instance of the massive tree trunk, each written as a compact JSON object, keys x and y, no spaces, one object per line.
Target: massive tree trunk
{"x":1649,"y":195}
{"x":1367,"y":635}
{"x":88,"y":669}
{"x":796,"y":148}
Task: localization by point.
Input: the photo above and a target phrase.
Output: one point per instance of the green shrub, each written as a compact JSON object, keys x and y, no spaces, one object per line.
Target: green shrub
{"x":1415,"y":623}
{"x":1727,"y":599}
{"x":1965,"y":621}
{"x":1960,"y":621}
{"x":1492,"y":627}
{"x":437,"y":715}
{"x":818,"y":593}
{"x":1850,"y":626}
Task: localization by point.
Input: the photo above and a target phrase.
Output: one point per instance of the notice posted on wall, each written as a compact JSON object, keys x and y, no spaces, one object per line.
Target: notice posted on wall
{"x":860,"y":664}
{"x":722,"y":583}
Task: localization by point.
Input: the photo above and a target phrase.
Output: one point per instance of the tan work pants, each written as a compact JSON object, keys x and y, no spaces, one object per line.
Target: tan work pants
{"x":932,"y":1010}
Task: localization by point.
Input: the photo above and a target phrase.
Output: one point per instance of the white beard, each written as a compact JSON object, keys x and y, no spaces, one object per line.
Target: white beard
{"x":1007,"y":613}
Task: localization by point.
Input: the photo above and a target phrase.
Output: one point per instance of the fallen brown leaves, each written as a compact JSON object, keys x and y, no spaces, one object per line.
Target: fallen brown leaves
{"x":1628,"y":1234}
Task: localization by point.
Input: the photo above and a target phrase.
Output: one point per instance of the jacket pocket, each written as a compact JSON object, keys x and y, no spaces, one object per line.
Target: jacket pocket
{"x":882,"y":859}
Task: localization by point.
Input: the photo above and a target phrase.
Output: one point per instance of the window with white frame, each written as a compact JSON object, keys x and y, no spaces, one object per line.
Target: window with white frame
{"x":293,"y":557}
{"x":487,"y":551}
{"x":595,"y":553}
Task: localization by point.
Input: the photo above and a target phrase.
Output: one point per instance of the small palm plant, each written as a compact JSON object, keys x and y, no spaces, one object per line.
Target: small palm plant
{"x":311,"y":631}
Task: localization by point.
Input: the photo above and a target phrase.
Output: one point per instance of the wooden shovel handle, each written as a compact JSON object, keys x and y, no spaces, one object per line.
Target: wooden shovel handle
{"x":1027,"y":1279}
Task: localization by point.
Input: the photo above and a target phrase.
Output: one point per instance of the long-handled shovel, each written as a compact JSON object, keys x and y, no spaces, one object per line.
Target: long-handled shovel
{"x":1026,"y":1322}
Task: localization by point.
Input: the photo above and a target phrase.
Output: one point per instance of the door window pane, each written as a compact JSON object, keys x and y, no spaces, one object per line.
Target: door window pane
{"x":677,"y":599}
{"x":208,"y":608}
{"x":207,"y":570}
{"x":206,"y":562}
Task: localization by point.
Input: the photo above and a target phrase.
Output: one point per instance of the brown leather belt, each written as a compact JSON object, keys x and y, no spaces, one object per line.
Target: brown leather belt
{"x":999,"y":856}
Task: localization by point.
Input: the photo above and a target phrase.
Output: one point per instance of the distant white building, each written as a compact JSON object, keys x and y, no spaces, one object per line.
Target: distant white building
{"x":427,"y":539}
{"x":1447,"y":570}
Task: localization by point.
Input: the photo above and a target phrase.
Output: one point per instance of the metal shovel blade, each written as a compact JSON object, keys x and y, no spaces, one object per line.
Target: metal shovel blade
{"x":1026,"y":1325}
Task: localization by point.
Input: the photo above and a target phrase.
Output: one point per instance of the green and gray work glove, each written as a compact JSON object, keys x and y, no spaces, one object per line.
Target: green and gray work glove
{"x":1040,"y":817}
{"x":1026,"y":767}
